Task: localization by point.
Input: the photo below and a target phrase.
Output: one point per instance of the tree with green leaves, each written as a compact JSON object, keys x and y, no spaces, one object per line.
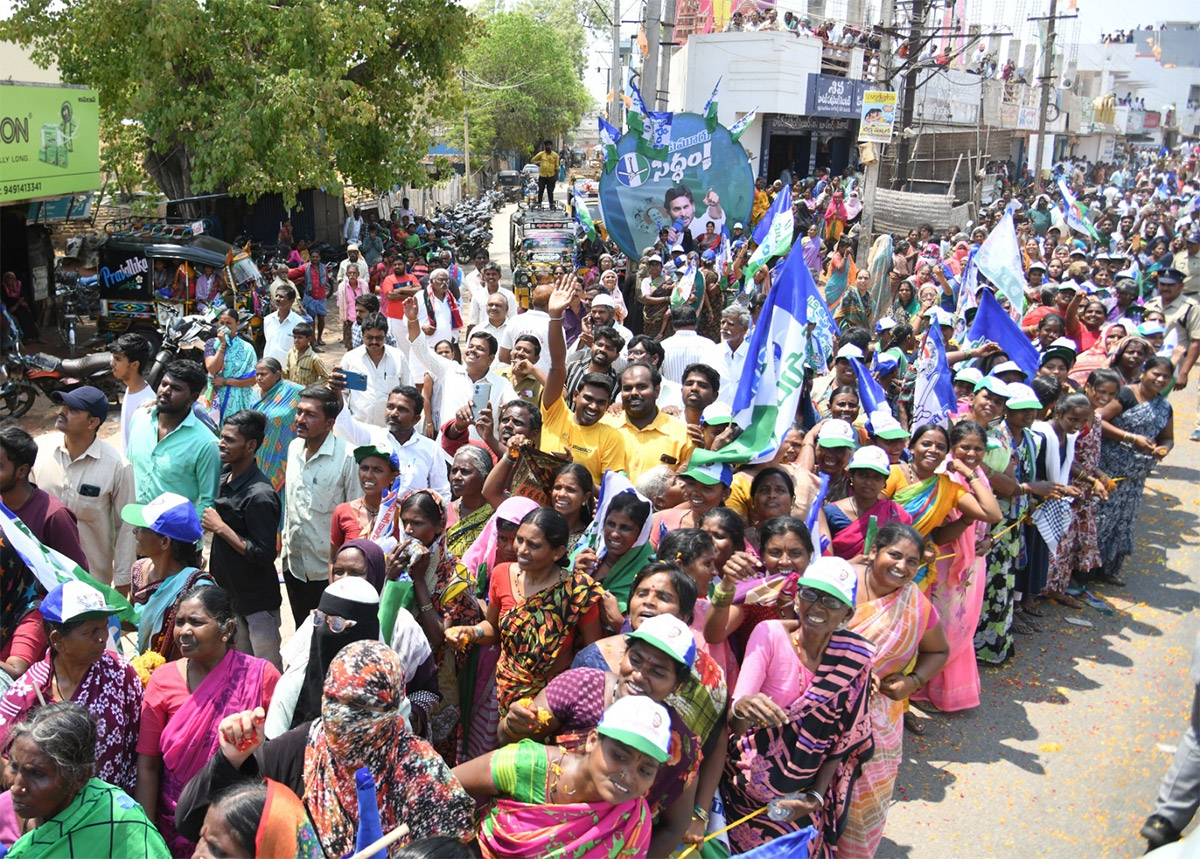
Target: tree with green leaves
{"x":252,"y":97}
{"x":521,"y":84}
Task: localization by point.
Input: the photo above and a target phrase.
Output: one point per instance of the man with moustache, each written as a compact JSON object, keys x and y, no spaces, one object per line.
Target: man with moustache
{"x":321,"y":474}
{"x":652,"y":437}
{"x":169,"y":448}
{"x":89,"y":476}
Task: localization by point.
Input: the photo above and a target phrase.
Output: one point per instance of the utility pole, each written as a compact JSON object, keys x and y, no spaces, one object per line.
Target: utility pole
{"x":466,"y":141}
{"x":1046,"y":84}
{"x":916,"y":25}
{"x":871,"y":175}
{"x":614,"y":107}
{"x":666,"y":48}
{"x":649,"y":87}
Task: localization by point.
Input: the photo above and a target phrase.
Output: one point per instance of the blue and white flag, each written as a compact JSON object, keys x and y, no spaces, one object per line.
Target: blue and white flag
{"x":993,"y":325}
{"x":773,"y":233}
{"x":999,"y":260}
{"x":825,"y":332}
{"x":652,"y":127}
{"x":710,"y":109}
{"x":933,"y":394}
{"x":739,"y":127}
{"x":1075,"y":212}
{"x":608,"y":139}
{"x":871,"y":396}
{"x":767,"y":397}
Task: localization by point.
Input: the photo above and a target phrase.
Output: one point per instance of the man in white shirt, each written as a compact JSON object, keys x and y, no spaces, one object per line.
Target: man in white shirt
{"x":471,"y":285}
{"x":434,"y":311}
{"x":405,"y":211}
{"x":456,"y":382}
{"x":686,"y":347}
{"x":423,"y":463}
{"x":497,"y":315}
{"x":489,"y":285}
{"x":384,"y":366}
{"x":354,"y":258}
{"x":535,"y":322}
{"x":91,"y":479}
{"x":321,"y":474}
{"x":278,"y":326}
{"x":352,"y":230}
{"x":131,"y":353}
{"x":735,"y":325}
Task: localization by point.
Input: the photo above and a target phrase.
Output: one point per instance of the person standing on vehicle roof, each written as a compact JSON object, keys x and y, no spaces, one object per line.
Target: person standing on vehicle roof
{"x":547,"y":162}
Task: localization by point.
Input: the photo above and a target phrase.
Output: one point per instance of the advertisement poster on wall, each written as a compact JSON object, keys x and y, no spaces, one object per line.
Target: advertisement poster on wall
{"x":877,"y":122}
{"x":49,"y":141}
{"x":706,"y":179}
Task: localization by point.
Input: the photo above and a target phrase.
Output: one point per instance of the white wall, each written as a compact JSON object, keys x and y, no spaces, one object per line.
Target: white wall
{"x":16,"y":65}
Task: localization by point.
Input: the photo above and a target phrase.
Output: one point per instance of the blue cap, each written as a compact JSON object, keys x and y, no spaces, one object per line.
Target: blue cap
{"x":169,"y":514}
{"x":709,"y":254}
{"x":885,"y":363}
{"x":85,"y":398}
{"x":74,"y":600}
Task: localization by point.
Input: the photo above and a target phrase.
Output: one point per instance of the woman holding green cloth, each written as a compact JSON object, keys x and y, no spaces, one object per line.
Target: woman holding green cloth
{"x":617,"y":546}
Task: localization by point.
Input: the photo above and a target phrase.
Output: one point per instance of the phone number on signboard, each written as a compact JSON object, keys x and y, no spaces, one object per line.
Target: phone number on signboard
{"x":21,"y":188}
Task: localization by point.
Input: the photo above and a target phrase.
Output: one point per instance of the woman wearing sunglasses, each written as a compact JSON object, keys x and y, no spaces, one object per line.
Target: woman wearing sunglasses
{"x":348,"y":612}
{"x":799,"y":723}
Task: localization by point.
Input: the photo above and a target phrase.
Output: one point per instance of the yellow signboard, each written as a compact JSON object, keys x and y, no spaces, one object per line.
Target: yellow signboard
{"x":49,"y":141}
{"x":878,"y":117}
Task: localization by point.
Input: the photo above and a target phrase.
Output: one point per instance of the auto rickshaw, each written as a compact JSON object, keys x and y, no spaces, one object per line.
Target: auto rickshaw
{"x":150,"y":269}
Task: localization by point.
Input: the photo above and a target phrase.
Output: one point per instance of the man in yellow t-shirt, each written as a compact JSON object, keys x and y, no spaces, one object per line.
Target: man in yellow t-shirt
{"x":547,"y":162}
{"x":651,"y":436}
{"x":594,"y":445}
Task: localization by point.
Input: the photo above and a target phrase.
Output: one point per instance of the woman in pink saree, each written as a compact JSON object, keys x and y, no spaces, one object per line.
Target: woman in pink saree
{"x":956,"y":589}
{"x":904,"y":627}
{"x":186,"y":700}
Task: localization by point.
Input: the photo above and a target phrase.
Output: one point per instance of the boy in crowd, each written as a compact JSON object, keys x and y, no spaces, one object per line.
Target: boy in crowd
{"x":304,"y":366}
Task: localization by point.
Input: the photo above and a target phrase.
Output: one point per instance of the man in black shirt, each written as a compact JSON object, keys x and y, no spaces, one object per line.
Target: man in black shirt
{"x":244,"y":521}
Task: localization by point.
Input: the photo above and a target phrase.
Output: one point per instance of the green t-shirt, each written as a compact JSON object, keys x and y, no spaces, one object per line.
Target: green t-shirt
{"x":519,"y":771}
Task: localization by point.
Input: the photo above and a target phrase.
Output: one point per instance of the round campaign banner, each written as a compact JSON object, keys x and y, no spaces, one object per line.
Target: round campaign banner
{"x":706,"y":180}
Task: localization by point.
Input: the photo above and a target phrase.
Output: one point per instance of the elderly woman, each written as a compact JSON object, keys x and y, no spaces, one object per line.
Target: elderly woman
{"x":79,"y":669}
{"x":800,"y":721}
{"x":230,"y":362}
{"x":185,"y":701}
{"x":895,"y":616}
{"x":277,"y":399}
{"x":468,"y":512}
{"x":69,"y":812}
{"x":167,"y":531}
{"x":360,"y":726}
{"x":586,"y":802}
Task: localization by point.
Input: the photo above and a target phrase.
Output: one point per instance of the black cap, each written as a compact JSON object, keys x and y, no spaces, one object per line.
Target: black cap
{"x":1170,"y":275}
{"x":86,"y":398}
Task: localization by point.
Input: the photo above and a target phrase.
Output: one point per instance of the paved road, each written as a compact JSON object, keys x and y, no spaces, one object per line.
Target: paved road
{"x":1064,"y":755}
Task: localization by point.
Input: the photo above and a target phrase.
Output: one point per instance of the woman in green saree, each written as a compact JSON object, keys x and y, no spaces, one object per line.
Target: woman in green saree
{"x":469,"y":512}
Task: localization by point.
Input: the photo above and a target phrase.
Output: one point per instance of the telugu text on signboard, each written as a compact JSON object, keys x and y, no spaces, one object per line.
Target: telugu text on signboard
{"x":878,"y":119}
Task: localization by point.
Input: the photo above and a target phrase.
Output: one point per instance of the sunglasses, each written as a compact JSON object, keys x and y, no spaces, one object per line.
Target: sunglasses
{"x":337,"y":625}
{"x":812,"y":595}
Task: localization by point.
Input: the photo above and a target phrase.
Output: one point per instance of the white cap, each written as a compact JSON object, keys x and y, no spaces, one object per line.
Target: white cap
{"x":1009,"y":367}
{"x":639,"y":723}
{"x":872,"y":458}
{"x":836,"y":432}
{"x":1021,"y":396}
{"x":739,"y":226}
{"x":654,"y":258}
{"x":670,"y":635}
{"x":833,"y":576}
{"x":970,"y":375}
{"x":943,"y":316}
{"x":716,"y":413}
{"x":886,"y":324}
{"x":603,"y":300}
{"x":849,"y":351}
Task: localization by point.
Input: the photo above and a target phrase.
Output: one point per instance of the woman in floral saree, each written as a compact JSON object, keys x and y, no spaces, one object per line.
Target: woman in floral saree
{"x":904,"y":626}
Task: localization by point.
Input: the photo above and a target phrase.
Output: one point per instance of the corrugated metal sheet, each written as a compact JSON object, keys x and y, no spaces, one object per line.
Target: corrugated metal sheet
{"x":901,"y":211}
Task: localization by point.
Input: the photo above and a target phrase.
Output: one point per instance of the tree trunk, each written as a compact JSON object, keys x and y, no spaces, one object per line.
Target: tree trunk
{"x":172,"y":172}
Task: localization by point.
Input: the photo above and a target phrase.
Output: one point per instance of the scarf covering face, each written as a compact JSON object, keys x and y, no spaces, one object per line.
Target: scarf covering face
{"x":361,"y":726}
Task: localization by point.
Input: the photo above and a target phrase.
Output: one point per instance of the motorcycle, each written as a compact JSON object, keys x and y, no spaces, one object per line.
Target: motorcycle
{"x":75,"y":297}
{"x":184,"y":337}
{"x":23,"y":376}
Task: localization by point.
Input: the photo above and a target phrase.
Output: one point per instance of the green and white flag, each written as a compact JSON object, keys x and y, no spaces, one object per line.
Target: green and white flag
{"x":583,"y":216}
{"x":773,"y":233}
{"x":710,"y":109}
{"x":50,"y":567}
{"x":651,"y":127}
{"x":739,"y":127}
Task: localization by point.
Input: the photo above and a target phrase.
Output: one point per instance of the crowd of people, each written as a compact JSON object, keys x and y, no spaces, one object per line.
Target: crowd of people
{"x":535,"y":613}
